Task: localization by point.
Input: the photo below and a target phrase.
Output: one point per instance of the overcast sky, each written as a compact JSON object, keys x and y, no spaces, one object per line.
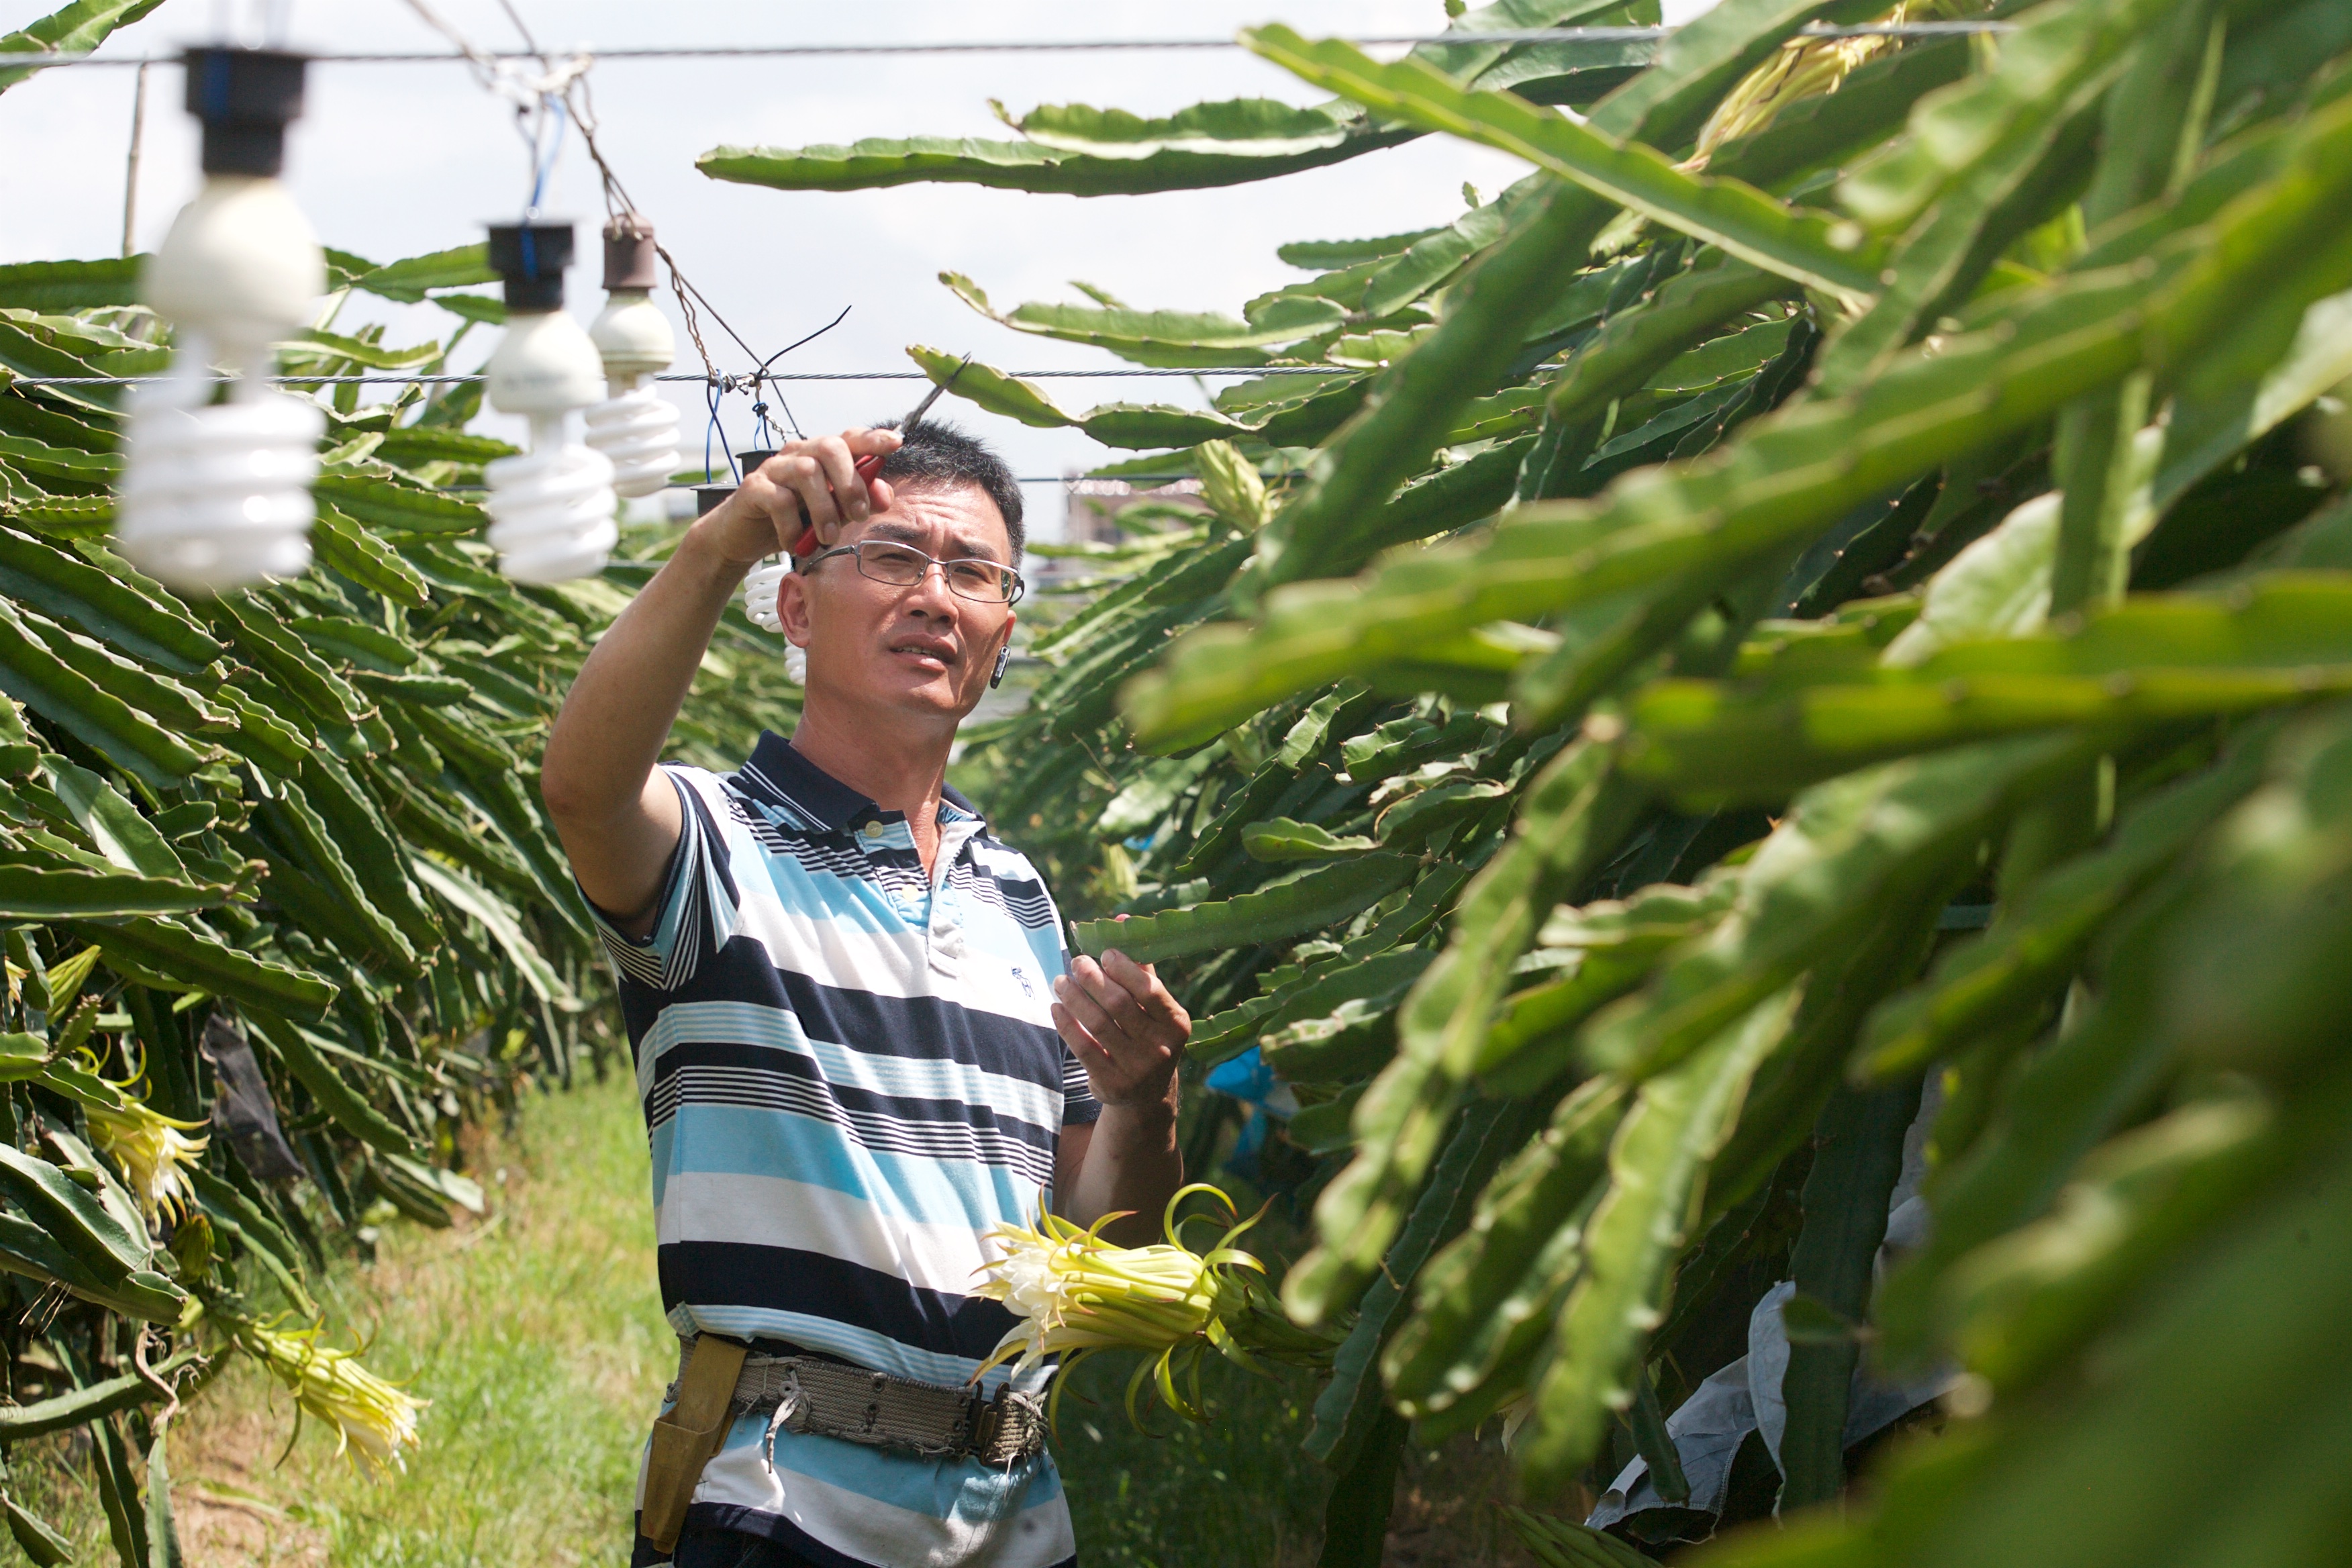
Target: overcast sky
{"x":397,"y":160}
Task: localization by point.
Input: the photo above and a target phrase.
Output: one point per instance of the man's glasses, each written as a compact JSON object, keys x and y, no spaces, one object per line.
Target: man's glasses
{"x":903,"y":566}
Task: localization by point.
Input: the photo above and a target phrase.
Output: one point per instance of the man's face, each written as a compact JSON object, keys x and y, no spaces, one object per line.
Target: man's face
{"x":921,"y":650}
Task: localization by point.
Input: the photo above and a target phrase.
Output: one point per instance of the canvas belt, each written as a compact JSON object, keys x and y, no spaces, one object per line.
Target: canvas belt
{"x":719,"y":1381}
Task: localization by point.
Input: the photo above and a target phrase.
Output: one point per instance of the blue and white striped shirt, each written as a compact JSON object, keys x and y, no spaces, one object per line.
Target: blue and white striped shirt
{"x":850,"y":1073}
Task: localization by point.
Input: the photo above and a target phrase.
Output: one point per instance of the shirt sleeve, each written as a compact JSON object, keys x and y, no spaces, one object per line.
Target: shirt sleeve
{"x":697,"y":905}
{"x":1079,"y":1106}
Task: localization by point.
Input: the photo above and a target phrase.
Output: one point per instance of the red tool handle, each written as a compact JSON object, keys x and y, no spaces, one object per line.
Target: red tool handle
{"x":867,"y":467}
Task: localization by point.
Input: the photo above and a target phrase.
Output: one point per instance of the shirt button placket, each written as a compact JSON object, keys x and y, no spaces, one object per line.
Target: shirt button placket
{"x":947,"y":932}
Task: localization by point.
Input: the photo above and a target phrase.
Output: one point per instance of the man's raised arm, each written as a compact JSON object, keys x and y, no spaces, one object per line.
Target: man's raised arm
{"x":617,"y":818}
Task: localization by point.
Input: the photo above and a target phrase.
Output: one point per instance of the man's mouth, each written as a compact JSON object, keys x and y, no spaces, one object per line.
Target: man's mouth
{"x":938,"y":649}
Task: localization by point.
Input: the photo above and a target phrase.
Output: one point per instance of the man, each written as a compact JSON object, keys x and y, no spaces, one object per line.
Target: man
{"x":857,"y":1040}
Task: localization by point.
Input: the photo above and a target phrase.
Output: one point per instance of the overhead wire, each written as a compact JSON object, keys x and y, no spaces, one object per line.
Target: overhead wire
{"x":731,"y":382}
{"x":560,"y":93}
{"x":1512,"y":35}
{"x":618,"y":205}
{"x":759,"y":405}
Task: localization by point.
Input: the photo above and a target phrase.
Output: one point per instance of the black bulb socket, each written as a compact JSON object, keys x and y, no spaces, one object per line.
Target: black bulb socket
{"x":532,"y":258}
{"x":246,"y":99}
{"x":746,"y":463}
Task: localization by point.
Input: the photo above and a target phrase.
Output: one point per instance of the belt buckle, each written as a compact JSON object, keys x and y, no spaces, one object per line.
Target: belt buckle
{"x":994,"y":1420}
{"x":987,"y":1414}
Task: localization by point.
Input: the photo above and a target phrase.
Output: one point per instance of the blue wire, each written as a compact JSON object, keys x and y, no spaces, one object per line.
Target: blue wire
{"x":766,"y":431}
{"x":546,"y":169}
{"x":711,"y":395}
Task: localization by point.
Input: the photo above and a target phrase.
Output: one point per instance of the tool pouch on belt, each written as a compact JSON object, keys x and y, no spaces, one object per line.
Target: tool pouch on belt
{"x":686,"y":1439}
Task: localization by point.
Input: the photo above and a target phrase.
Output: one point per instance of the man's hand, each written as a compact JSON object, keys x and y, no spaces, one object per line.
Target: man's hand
{"x":1124,"y":1027}
{"x":817,"y":478}
{"x":618,"y":819}
{"x":1128,"y":1032}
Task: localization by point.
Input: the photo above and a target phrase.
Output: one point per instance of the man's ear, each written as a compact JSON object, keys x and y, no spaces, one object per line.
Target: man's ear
{"x":1003,"y":652}
{"x":793,"y":608}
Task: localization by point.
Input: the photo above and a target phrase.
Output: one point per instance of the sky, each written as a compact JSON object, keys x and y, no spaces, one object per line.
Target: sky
{"x":398,"y":160}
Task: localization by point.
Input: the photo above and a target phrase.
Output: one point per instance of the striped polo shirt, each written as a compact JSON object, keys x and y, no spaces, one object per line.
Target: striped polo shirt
{"x":849,"y":1072}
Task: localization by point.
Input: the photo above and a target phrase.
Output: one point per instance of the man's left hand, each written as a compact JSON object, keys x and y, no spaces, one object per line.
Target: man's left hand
{"x":1124,"y":1027}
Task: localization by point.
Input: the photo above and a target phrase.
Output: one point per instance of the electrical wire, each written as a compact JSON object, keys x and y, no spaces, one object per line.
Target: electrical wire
{"x":619,"y":203}
{"x":724,"y":381}
{"x":498,"y":72}
{"x":620,"y":208}
{"x":714,"y":429}
{"x":559,"y":86}
{"x":1077,"y":46}
{"x":758,"y":399}
{"x":538,"y":100}
{"x":561,"y":94}
{"x":1129,"y":479}
{"x":549,"y":94}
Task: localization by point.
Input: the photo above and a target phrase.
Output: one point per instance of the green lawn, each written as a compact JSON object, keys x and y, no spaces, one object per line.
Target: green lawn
{"x":1234,"y":1492}
{"x":538,"y":1336}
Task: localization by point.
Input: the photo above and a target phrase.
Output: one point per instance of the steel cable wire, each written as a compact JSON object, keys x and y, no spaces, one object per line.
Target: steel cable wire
{"x":1053,"y":45}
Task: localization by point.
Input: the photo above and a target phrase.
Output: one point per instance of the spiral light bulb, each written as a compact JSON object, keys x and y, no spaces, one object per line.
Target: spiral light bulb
{"x":760,"y":593}
{"x":760,"y":605}
{"x":551,"y":510}
{"x":217,"y":495}
{"x":636,"y":427}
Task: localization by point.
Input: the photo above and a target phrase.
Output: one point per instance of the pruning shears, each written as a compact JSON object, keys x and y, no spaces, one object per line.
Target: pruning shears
{"x":871,"y":464}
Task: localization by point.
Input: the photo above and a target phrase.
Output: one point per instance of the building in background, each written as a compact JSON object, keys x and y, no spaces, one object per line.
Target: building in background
{"x":1092,"y":506}
{"x":1090,"y":518}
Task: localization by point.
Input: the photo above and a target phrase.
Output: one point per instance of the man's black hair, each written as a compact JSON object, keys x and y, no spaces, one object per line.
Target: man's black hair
{"x":937,"y":454}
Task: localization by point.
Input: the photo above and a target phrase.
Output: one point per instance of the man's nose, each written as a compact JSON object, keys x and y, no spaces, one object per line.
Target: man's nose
{"x":933,"y":592}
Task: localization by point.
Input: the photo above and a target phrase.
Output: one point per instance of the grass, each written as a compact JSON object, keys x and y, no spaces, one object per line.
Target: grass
{"x":1236,"y":1491}
{"x":538,"y":1336}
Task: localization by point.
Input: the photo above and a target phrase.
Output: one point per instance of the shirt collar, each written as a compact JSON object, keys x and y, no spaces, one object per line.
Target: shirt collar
{"x":780,"y":775}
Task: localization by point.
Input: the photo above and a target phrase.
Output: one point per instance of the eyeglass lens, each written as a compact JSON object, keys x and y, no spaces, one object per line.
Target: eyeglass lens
{"x":903,"y":566}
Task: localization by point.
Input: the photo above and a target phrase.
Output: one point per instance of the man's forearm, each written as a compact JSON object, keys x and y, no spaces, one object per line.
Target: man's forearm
{"x":1131,"y":1162}
{"x":610,"y":735}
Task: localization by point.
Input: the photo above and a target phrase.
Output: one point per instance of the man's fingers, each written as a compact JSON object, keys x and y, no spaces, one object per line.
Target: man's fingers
{"x":822,"y":478}
{"x":1142,"y":981}
{"x":1126,"y":1075}
{"x":801,"y":480}
{"x":1100,"y":1015}
{"x":1122,"y":1002}
{"x":815,"y":486}
{"x":1083,"y":1045}
{"x":840,"y":468}
{"x":1122,"y":1025}
{"x":789,"y":514}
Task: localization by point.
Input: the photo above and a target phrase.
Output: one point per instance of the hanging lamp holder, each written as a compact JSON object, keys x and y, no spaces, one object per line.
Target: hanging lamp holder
{"x":629,"y":253}
{"x":246,"y":99}
{"x":532,"y":258}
